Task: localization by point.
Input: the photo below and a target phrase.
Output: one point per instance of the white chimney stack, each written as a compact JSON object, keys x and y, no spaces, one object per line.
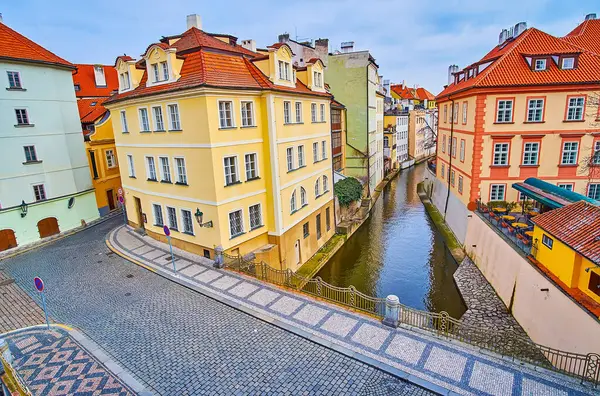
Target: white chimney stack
{"x":194,"y":20}
{"x":0,"y":17}
{"x":347,"y":46}
{"x":451,"y":70}
{"x":249,"y":45}
{"x":587,"y":17}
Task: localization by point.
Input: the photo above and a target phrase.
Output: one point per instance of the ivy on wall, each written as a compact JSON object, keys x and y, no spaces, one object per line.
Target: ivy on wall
{"x":348,"y":190}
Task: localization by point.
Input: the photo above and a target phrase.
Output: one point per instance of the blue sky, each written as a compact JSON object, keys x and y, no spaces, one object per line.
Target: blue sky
{"x":411,"y":40}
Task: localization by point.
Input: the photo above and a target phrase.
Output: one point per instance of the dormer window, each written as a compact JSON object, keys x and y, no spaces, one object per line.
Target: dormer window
{"x":568,"y":63}
{"x":125,"y":84}
{"x":284,"y":70}
{"x":318,"y":77}
{"x":99,"y":77}
{"x":160,"y":71}
{"x":540,"y":64}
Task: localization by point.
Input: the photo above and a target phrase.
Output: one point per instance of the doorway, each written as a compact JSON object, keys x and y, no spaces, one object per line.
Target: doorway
{"x":138,"y":210}
{"x":48,"y":227}
{"x":111,"y":199}
{"x":7,"y":239}
{"x":297,"y":252}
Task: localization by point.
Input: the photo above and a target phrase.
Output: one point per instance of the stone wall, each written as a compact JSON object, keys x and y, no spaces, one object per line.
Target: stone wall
{"x":456,"y":216}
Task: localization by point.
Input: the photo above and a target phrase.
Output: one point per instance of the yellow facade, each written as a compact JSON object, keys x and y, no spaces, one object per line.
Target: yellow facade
{"x":205,"y":146}
{"x":104,"y":165}
{"x":566,"y":264}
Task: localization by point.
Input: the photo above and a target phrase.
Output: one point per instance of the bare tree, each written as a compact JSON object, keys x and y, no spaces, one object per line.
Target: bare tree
{"x":589,"y":163}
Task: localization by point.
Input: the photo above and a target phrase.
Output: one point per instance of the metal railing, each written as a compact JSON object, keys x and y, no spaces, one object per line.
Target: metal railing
{"x":516,"y":236}
{"x":14,"y":376}
{"x":507,"y":344}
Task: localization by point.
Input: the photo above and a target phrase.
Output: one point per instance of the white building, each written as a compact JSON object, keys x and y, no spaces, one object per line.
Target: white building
{"x":305,"y":51}
{"x":45,"y":183}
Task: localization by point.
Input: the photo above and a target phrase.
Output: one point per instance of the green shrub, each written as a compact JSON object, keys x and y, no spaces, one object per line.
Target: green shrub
{"x":348,"y":190}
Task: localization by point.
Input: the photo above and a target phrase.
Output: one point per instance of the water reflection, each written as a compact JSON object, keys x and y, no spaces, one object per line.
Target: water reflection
{"x":399,"y":251}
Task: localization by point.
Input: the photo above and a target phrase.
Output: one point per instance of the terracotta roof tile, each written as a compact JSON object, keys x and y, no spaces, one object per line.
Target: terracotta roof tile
{"x":16,"y":46}
{"x":195,"y":38}
{"x":423,"y":94}
{"x":586,"y":36}
{"x":90,"y":109}
{"x":577,"y":225}
{"x":404,"y":93}
{"x":84,"y":77}
{"x":510,"y":67}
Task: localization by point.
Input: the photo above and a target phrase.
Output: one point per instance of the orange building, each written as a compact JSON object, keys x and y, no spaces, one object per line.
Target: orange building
{"x":529,"y":108}
{"x":94,"y":84}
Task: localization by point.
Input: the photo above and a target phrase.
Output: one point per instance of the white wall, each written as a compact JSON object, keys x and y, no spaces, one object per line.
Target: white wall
{"x":457,"y":214}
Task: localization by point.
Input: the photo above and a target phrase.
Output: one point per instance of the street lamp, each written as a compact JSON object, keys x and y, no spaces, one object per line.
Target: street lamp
{"x":23,"y":209}
{"x":199,"y":215}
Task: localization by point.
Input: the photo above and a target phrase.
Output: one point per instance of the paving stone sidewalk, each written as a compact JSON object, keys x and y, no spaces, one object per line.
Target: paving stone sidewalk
{"x":17,"y":309}
{"x":439,"y":365}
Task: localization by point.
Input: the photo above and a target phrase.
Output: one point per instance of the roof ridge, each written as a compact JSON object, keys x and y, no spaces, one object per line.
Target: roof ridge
{"x":32,"y":44}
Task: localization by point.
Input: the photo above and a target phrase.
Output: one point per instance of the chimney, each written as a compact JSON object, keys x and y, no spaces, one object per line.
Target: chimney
{"x":587,"y":17}
{"x":451,"y":70}
{"x":503,"y":36}
{"x":284,"y":38}
{"x":99,"y":77}
{"x":249,"y":45}
{"x":194,"y":20}
{"x":403,"y":83}
{"x":347,"y":46}
{"x":519,"y":28}
{"x":1,"y":17}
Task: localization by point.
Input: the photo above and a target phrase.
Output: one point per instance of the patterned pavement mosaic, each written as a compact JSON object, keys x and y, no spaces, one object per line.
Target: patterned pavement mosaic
{"x":51,"y":362}
{"x":461,"y":370}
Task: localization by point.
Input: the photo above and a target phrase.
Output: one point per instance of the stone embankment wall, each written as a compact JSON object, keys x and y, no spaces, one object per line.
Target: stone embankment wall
{"x":548,"y":315}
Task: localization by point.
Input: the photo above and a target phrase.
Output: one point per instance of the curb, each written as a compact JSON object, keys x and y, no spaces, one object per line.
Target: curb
{"x":398,"y":373}
{"x":36,"y":245}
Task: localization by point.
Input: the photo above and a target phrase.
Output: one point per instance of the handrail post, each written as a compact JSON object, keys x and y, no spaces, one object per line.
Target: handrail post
{"x":392,"y":311}
{"x":219,"y":260}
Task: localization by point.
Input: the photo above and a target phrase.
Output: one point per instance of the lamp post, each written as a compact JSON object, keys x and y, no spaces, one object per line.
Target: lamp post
{"x":23,"y":209}
{"x":199,"y":215}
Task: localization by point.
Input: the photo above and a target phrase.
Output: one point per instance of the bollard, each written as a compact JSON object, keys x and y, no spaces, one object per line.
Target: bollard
{"x":5,"y":352}
{"x":392,"y":311}
{"x":219,"y":262}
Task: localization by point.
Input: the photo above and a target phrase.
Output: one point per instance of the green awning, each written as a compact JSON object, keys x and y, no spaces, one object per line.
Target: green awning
{"x":550,"y":195}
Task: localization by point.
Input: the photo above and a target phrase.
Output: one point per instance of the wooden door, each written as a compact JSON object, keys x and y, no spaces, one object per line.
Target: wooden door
{"x":138,"y":210}
{"x":111,"y":199}
{"x":7,"y":239}
{"x":48,"y":227}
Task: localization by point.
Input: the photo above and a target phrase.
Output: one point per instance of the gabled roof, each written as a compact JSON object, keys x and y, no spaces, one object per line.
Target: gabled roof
{"x":423,"y":94}
{"x":84,"y":77}
{"x":91,"y":109}
{"x":586,"y":36}
{"x":576,"y":225}
{"x":404,"y":92}
{"x":509,"y":67}
{"x":209,"y":62}
{"x":337,"y":105}
{"x":18,"y":47}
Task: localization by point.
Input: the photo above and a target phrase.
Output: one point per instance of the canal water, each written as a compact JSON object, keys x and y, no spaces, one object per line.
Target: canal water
{"x":399,"y":251}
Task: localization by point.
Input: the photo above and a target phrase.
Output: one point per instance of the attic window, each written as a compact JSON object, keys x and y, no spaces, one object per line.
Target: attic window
{"x":284,"y":70}
{"x":540,"y":64}
{"x":568,"y":63}
{"x":93,"y":103}
{"x":77,"y":87}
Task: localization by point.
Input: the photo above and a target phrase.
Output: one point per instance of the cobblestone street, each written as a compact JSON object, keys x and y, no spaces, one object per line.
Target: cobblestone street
{"x":17,"y":309}
{"x":176,"y":341}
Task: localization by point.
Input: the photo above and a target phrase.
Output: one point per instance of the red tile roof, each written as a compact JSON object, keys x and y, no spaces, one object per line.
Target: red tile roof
{"x":84,"y":77}
{"x":336,"y":104}
{"x":586,"y":36}
{"x":91,"y":109}
{"x":509,"y":67}
{"x":205,"y":63}
{"x":16,"y":46}
{"x":423,"y":94}
{"x":404,"y":93}
{"x":577,"y":225}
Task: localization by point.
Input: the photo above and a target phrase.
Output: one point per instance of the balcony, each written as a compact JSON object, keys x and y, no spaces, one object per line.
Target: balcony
{"x":514,"y":227}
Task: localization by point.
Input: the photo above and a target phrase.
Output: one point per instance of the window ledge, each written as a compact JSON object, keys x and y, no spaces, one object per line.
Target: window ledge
{"x":24,"y":125}
{"x":160,"y":130}
{"x":159,"y":225}
{"x":132,"y":177}
{"x":181,"y":184}
{"x":237,"y":235}
{"x":233,"y":184}
{"x":306,"y":236}
{"x":257,"y":227}
{"x":175,"y":130}
{"x":32,"y":162}
{"x":499,"y":166}
{"x":166,"y":182}
{"x":568,"y":165}
{"x":252,"y":179}
{"x":225,"y":128}
{"x":248,"y":126}
{"x":152,"y":180}
{"x":573,"y":120}
{"x":319,"y":122}
{"x":16,"y":89}
{"x":145,"y":131}
{"x":534,"y":122}
{"x":503,"y":123}
{"x":188,"y":233}
{"x":529,"y":166}
{"x":125,"y":132}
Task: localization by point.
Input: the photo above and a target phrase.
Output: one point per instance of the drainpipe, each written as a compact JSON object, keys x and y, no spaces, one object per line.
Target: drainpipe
{"x":368,"y":136}
{"x":450,"y":152}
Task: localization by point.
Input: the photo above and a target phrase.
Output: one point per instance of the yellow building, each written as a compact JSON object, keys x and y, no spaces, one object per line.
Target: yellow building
{"x":229,"y":147}
{"x":93,"y":85}
{"x":567,"y":244}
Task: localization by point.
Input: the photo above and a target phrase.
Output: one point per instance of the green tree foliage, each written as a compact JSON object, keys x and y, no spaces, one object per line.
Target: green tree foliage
{"x":348,"y":190}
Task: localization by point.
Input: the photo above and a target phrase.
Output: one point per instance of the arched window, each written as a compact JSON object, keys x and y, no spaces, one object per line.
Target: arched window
{"x":293,"y":202}
{"x":303,"y":198}
{"x":325,"y":186}
{"x":317,"y":188}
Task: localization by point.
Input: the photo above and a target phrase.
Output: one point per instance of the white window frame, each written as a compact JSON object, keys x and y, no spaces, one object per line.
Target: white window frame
{"x":131,"y":165}
{"x":111,"y":159}
{"x":303,"y":197}
{"x":223,"y":112}
{"x":140,"y":118}
{"x":18,"y":85}
{"x":566,"y":186}
{"x":499,"y":188}
{"x":530,"y":153}
{"x":534,"y":110}
{"x":158,"y":119}
{"x":542,"y":64}
{"x":254,"y":155}
{"x":325,"y":184}
{"x":547,"y":241}
{"x":318,"y":187}
{"x":596,"y":153}
{"x":19,"y":112}
{"x":596,"y":188}
{"x":181,"y":176}
{"x":162,"y":215}
{"x":260,"y":217}
{"x":289,"y":158}
{"x":165,"y":176}
{"x":164,"y":68}
{"x":125,"y":82}
{"x":124,"y":127}
{"x":575,"y":112}
{"x":155,"y":72}
{"x":41,"y":189}
{"x":298,"y":112}
{"x":174,"y":211}
{"x":293,"y":202}
{"x":174,"y":122}
{"x":503,"y":110}
{"x":322,"y":111}
{"x":183,"y":223}
{"x":463,"y":143}
{"x":501,"y":151}
{"x":148,"y":168}
{"x":315,"y":152}
{"x":569,"y":152}
{"x":236,"y":174}
{"x":460,"y":184}
{"x":313,"y":112}
{"x":464,"y":114}
{"x":301,"y":158}
{"x":32,"y":150}
{"x":284,"y":70}
{"x":247,"y":117}
{"x":242,"y":226}
{"x":323,"y":150}
{"x":287,"y":112}
{"x":572,"y":66}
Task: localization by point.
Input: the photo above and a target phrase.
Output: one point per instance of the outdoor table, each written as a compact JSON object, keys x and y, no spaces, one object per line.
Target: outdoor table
{"x":508,"y":218}
{"x":533,"y":213}
{"x":499,"y":209}
{"x":529,"y":233}
{"x":520,"y":225}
